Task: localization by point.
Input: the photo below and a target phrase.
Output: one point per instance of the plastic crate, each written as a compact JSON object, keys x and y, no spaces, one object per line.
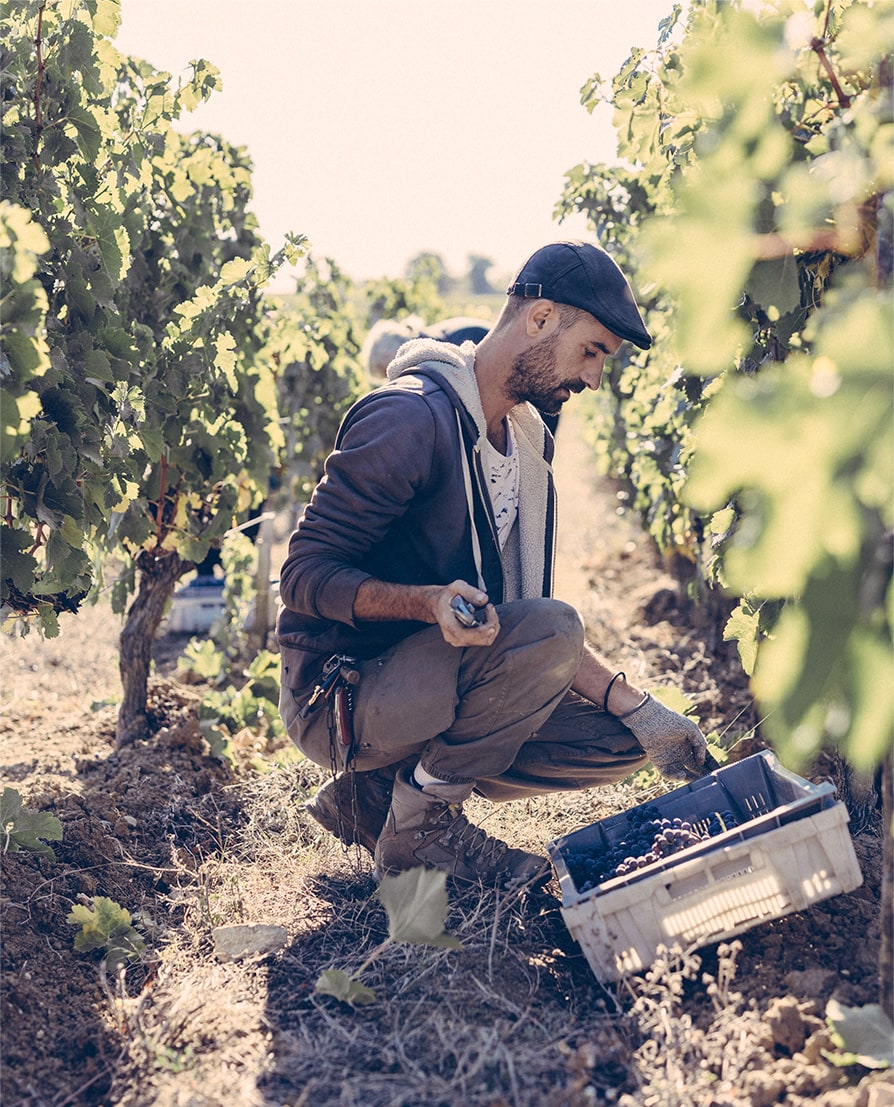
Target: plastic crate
{"x":791,"y":849}
{"x":195,"y":607}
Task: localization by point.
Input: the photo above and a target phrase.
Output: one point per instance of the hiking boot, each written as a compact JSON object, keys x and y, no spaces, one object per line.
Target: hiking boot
{"x":426,"y":826}
{"x":333,"y":806}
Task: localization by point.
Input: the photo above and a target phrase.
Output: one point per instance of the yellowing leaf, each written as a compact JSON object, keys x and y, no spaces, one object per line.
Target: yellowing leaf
{"x":236,"y":270}
{"x":334,"y":982}
{"x":225,"y":358}
{"x":416,"y":904}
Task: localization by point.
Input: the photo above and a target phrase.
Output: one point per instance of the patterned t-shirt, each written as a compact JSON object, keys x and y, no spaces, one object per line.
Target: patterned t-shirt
{"x":502,"y":478}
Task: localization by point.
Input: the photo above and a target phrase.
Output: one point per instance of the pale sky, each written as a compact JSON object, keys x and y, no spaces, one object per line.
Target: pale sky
{"x":382,"y":128}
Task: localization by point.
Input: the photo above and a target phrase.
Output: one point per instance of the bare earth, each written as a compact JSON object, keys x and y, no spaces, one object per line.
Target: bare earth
{"x":516,"y":1019}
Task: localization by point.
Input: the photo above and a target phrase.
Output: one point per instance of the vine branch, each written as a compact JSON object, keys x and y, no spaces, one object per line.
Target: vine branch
{"x":818,"y":46}
{"x":159,"y":515}
{"x":41,"y":66}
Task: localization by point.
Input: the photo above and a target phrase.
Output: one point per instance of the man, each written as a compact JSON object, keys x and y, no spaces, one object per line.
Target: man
{"x":387,"y":336}
{"x":440,"y":487}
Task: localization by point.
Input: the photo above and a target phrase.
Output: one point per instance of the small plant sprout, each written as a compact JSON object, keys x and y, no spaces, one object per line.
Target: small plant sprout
{"x":21,"y":828}
{"x":416,"y":904}
{"x":109,"y":926}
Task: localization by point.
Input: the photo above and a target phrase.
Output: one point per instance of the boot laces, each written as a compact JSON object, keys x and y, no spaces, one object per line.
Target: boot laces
{"x":470,"y":840}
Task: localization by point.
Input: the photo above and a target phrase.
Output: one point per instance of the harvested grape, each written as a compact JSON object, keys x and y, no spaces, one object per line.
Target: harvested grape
{"x":649,"y":838}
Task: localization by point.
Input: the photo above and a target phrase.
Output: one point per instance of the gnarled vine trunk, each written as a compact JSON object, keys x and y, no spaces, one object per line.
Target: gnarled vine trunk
{"x":158,"y":576}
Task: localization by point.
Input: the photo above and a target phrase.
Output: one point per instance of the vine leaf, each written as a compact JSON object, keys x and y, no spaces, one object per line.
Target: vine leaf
{"x":106,"y":925}
{"x":743,"y":627}
{"x":334,"y":982}
{"x":416,"y":903}
{"x":865,"y":1036}
{"x":774,"y":284}
{"x":23,"y":829}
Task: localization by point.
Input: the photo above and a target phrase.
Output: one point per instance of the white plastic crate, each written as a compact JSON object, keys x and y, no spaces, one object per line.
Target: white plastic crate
{"x":790,"y":850}
{"x":195,"y":607}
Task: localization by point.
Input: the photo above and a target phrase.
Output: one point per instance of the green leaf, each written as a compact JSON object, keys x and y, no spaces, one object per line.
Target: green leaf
{"x":89,"y":133}
{"x":23,"y":353}
{"x":97,"y":368}
{"x":674,"y":699}
{"x":774,"y":284}
{"x":112,"y":240}
{"x":22,"y":828}
{"x":416,"y":904}
{"x":106,"y":925}
{"x":334,"y":982}
{"x":225,"y":359}
{"x":235,"y":271}
{"x":153,"y":442}
{"x":865,"y":1036}
{"x":19,"y":566}
{"x":204,"y":658}
{"x":743,"y":628}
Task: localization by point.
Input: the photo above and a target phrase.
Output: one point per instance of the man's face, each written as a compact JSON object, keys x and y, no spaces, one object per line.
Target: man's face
{"x":563,"y":362}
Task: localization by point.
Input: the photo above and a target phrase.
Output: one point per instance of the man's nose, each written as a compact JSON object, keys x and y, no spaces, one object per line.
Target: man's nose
{"x":592,"y":378}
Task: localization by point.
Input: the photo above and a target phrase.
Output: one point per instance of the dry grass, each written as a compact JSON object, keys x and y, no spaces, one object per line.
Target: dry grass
{"x":514,"y":1018}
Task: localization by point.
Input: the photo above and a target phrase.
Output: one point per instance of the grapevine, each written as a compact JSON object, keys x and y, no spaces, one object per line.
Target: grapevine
{"x":139,"y":358}
{"x":755,"y":208}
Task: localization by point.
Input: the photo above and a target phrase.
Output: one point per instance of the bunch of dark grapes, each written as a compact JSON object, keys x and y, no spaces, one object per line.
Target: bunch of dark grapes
{"x":649,"y":839}
{"x":720,"y":821}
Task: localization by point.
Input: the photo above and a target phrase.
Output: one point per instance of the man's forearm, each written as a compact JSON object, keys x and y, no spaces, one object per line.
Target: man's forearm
{"x":592,"y":681}
{"x":380,"y":601}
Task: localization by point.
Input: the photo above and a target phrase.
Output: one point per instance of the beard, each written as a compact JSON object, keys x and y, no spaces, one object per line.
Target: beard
{"x":532,"y":378}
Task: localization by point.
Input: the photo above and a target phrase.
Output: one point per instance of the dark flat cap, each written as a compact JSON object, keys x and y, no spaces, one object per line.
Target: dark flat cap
{"x":584,"y":276}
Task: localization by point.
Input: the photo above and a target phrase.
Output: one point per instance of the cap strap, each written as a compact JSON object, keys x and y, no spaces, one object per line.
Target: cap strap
{"x":529,"y":291}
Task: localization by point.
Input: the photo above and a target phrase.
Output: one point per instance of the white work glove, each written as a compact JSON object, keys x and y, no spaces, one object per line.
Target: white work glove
{"x":675,"y":744}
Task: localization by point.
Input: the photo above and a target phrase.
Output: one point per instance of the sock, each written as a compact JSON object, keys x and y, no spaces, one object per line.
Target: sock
{"x":421,"y":777}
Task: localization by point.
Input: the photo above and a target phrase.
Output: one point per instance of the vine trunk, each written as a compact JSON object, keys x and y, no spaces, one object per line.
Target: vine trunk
{"x":158,"y":576}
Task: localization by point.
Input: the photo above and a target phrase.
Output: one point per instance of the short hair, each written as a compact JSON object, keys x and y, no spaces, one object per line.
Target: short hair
{"x":385,"y":338}
{"x":515,"y":305}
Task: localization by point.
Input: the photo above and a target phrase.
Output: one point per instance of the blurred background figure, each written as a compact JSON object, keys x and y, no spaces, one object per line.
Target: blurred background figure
{"x":387,"y":336}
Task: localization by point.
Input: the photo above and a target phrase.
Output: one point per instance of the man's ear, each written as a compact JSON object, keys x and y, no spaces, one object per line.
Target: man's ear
{"x":541,"y":318}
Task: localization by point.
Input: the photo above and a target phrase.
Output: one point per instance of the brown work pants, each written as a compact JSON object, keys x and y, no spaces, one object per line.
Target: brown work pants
{"x":501,"y":716}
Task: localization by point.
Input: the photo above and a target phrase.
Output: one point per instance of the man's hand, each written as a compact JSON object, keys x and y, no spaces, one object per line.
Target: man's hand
{"x":675,"y":744}
{"x":483,"y":633}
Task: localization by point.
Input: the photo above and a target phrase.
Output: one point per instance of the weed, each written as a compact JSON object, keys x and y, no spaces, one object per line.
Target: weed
{"x":229,"y":710}
{"x":22,"y":828}
{"x":107,"y":925}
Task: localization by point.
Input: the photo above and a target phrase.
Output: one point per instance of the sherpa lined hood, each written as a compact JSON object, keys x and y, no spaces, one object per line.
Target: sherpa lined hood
{"x":454,"y":367}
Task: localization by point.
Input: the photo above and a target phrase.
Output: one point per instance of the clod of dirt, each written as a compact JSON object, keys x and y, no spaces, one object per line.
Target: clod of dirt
{"x":763,"y":1089}
{"x":791,"y":1023}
